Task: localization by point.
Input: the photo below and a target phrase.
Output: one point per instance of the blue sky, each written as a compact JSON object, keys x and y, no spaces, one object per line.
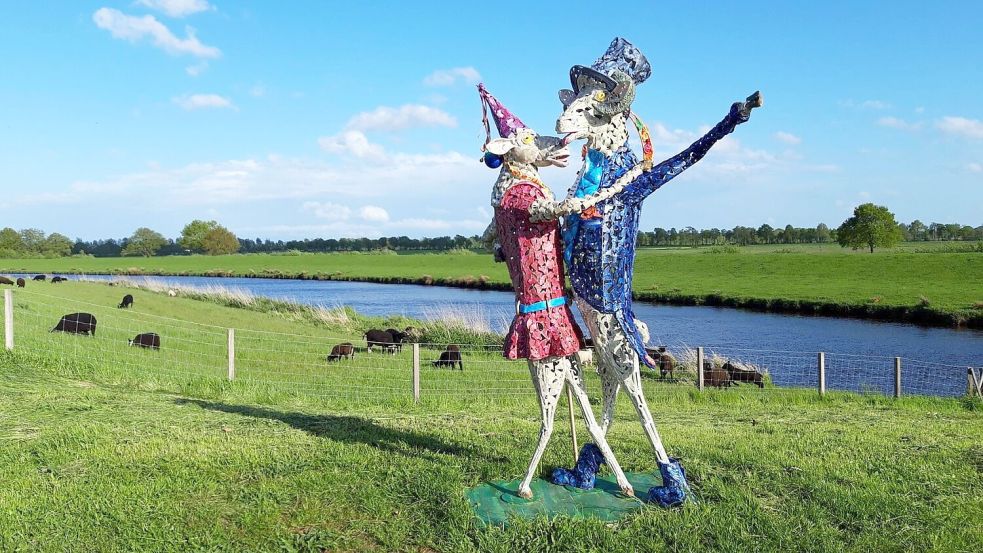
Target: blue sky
{"x":307,"y":119}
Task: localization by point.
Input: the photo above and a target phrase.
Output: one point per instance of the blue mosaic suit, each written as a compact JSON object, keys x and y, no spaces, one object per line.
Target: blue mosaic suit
{"x":600,"y":245}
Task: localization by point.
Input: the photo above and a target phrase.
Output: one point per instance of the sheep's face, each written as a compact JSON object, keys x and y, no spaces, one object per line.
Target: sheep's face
{"x":595,"y":113}
{"x":528,"y":148}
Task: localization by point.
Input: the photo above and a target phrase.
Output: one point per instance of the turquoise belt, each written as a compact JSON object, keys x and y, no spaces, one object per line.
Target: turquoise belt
{"x":541,"y":305}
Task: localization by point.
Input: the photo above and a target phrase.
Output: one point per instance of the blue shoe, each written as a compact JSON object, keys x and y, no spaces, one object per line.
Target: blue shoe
{"x":583,"y":475}
{"x":674,"y":489}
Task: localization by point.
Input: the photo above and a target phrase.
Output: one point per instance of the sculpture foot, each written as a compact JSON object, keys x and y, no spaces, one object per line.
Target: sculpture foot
{"x":628,"y":490}
{"x":583,"y":475}
{"x":674,"y":489}
{"x":525,"y":493}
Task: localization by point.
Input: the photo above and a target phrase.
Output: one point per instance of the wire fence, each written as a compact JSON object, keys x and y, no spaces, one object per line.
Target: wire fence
{"x":193,"y":353}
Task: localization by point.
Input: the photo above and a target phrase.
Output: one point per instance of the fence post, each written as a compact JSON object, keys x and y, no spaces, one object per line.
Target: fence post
{"x":822,"y":373}
{"x":970,"y":382}
{"x":897,"y":377}
{"x":8,"y":319}
{"x":232,"y":354}
{"x":699,"y":368}
{"x":416,"y":372}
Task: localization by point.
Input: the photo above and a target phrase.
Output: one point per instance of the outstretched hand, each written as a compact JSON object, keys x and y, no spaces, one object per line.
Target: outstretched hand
{"x":753,"y":101}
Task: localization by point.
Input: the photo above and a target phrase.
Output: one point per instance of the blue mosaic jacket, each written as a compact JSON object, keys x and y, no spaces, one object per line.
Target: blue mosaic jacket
{"x":600,"y":249}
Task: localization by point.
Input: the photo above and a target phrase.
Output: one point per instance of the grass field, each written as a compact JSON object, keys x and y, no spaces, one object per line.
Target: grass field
{"x":922,"y":282}
{"x":107,"y":448}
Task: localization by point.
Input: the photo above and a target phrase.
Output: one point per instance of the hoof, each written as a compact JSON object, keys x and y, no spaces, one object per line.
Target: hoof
{"x":628,"y":490}
{"x":525,"y":493}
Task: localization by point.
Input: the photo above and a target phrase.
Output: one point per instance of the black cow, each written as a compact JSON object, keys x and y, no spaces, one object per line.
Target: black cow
{"x":744,"y":375}
{"x":40,"y":277}
{"x":127,"y":302}
{"x":715,"y":376}
{"x":450,"y":357}
{"x":21,"y":283}
{"x":667,"y":363}
{"x":77,"y":323}
{"x":341,"y":351}
{"x":380,"y":338}
{"x":58,"y":279}
{"x":146,"y":340}
{"x":5,"y":280}
{"x":399,"y":338}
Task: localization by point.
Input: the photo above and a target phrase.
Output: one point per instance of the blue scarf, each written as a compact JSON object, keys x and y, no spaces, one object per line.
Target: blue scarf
{"x":589,"y":184}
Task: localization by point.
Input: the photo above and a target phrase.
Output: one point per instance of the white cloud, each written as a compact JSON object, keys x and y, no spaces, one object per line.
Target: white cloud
{"x":176,"y":8}
{"x":326,"y":210}
{"x":866,"y":104}
{"x":975,"y":167}
{"x":447,"y":77}
{"x":353,"y":143}
{"x":373,"y":214}
{"x":896,"y":123}
{"x":385,"y":118}
{"x":135,"y":29}
{"x":961,"y":126}
{"x":787,"y":137}
{"x":196,"y":69}
{"x":203,"y":101}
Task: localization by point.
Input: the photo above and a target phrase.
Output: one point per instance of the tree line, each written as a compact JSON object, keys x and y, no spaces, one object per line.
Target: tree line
{"x":869,"y":227}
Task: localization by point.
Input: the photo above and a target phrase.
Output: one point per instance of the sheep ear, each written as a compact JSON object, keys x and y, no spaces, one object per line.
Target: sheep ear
{"x":500,"y":146}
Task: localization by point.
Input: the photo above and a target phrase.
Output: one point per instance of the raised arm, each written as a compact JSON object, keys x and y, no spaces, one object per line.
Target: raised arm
{"x":637,"y":183}
{"x":653,"y":179}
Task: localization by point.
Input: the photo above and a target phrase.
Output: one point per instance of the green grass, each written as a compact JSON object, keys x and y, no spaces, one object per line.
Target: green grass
{"x":105,"y":448}
{"x":923,"y":282}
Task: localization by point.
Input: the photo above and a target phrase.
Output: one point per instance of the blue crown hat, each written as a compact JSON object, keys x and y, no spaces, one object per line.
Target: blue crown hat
{"x":617,"y":71}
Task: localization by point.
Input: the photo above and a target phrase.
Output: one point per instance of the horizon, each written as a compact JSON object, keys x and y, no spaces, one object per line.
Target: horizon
{"x":151,"y":113}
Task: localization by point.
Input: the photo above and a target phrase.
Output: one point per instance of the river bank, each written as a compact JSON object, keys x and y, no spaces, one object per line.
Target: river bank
{"x":929,"y":288}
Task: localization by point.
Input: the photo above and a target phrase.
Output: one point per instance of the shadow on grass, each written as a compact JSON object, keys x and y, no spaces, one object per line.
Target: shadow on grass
{"x":347,"y":429}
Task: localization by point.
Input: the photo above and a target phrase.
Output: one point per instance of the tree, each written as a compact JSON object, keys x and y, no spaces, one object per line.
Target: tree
{"x":220,"y":241}
{"x":144,"y":242}
{"x":765,"y":233}
{"x":56,"y":245}
{"x":11,"y":243}
{"x":32,"y":238}
{"x":193,"y":234}
{"x":871,"y":225}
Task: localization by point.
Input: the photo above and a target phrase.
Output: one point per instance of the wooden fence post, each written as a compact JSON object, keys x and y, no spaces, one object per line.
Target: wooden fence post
{"x":573,"y":427}
{"x":416,"y":372}
{"x":970,"y":382}
{"x":232,"y":354}
{"x":897,"y":377}
{"x":822,"y":373}
{"x":699,"y":368}
{"x":8,"y":319}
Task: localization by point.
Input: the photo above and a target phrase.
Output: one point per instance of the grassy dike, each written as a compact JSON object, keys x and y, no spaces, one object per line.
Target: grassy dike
{"x":105,"y":451}
{"x":927,"y":284}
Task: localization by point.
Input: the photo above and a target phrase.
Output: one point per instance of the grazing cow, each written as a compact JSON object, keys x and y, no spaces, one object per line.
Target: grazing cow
{"x":739,"y":374}
{"x":399,"y":338}
{"x":450,"y":357}
{"x":127,"y":302}
{"x":40,"y":277}
{"x":21,"y":283}
{"x":146,"y":340}
{"x":58,"y":279}
{"x":77,"y":323}
{"x":5,"y":280}
{"x":341,"y":351}
{"x":380,"y":338}
{"x":715,"y":376}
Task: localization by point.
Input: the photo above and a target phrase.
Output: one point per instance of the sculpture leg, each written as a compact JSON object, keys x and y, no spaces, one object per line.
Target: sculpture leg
{"x":548,"y":377}
{"x":633,"y":387}
{"x":574,"y":377}
{"x":599,"y":326}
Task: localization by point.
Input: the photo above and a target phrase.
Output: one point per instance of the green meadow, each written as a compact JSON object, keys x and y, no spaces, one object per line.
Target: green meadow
{"x":107,"y":447}
{"x":932,"y":283}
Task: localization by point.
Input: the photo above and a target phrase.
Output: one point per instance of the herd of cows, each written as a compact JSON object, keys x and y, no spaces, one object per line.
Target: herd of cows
{"x":391,"y":341}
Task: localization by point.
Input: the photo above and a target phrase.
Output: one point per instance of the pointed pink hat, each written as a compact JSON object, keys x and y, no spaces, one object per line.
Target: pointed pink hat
{"x":506,"y":122}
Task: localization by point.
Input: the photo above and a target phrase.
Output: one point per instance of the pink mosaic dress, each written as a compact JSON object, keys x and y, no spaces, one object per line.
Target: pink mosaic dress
{"x":533,"y":253}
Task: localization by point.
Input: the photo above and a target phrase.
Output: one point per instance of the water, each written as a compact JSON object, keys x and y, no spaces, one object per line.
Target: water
{"x":859,"y":352}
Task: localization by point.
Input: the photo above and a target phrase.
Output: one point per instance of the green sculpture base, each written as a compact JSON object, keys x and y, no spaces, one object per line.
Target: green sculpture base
{"x":495,"y":502}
